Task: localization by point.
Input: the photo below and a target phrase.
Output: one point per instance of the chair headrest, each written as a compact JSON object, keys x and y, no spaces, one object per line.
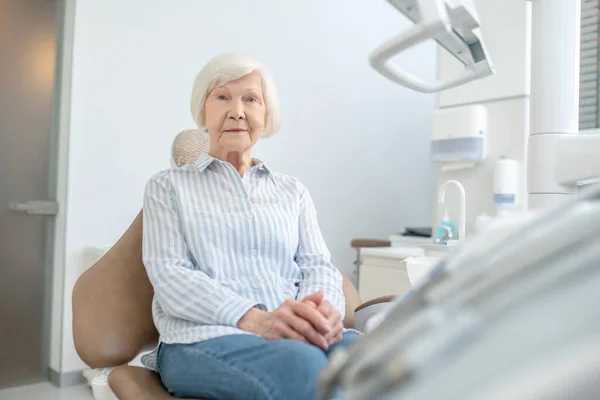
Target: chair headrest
{"x":188,"y":145}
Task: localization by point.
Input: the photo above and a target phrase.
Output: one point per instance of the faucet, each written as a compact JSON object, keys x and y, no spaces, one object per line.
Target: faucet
{"x":463,"y":217}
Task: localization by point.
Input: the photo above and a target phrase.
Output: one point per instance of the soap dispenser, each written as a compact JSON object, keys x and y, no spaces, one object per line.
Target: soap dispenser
{"x":446,"y":230}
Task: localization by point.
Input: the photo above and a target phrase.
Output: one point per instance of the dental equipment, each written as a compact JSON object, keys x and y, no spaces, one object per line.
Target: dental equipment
{"x":454,"y":25}
{"x":558,"y":159}
{"x":512,"y":312}
{"x":492,"y":291}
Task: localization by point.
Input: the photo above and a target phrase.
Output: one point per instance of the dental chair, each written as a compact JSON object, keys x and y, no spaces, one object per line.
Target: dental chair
{"x":112,"y":318}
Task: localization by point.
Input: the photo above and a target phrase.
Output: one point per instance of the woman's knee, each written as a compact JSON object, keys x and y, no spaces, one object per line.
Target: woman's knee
{"x":300,"y":355}
{"x":300,"y":368}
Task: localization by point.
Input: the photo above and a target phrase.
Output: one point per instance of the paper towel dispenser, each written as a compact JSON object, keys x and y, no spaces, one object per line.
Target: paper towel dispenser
{"x":459,"y":135}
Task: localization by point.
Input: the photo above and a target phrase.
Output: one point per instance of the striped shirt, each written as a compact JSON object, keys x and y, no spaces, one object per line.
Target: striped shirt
{"x":216,"y":244}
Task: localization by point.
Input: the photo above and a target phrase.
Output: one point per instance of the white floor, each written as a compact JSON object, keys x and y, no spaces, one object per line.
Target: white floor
{"x":47,"y":391}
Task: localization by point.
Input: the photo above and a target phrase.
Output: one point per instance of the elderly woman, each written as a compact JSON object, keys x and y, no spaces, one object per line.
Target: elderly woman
{"x":247,"y":302}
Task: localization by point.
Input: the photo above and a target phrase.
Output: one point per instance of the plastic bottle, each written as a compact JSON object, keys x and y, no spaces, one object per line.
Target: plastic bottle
{"x":446,"y":230}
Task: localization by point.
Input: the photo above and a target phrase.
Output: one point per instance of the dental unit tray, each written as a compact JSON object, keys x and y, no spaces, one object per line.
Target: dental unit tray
{"x":521,"y":296}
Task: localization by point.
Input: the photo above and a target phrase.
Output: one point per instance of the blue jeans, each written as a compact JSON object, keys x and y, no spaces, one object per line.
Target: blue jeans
{"x":244,"y":367}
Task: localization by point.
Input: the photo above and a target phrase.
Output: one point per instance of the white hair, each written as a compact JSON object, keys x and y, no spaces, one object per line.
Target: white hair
{"x":229,"y":67}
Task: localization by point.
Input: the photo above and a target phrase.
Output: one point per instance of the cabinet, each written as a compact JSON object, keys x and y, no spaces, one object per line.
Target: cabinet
{"x":383,"y":271}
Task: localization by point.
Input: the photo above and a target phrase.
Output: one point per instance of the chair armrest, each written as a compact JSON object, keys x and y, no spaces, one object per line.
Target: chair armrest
{"x":368,"y":315}
{"x":358,"y":243}
{"x":378,"y":300}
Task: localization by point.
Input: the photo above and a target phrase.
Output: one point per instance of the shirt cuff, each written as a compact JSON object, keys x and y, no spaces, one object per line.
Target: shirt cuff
{"x":233,"y":310}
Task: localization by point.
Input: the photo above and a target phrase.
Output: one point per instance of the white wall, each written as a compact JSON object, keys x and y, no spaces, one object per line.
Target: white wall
{"x":358,"y":142}
{"x":506,"y":96}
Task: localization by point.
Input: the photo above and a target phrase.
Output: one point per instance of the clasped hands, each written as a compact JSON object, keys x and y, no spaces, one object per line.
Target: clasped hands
{"x":312,"y":320}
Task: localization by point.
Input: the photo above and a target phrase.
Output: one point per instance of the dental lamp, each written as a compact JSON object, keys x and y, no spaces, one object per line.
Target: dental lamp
{"x":559,"y":159}
{"x":454,"y":24}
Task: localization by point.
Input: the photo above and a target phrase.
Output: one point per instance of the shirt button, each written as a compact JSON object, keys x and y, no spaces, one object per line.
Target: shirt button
{"x":253,"y":253}
{"x":250,"y":217}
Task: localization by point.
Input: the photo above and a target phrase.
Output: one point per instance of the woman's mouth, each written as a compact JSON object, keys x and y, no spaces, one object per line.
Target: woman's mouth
{"x":236,"y":130}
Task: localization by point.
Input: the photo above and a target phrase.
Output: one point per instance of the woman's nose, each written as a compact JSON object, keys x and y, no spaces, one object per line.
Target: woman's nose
{"x":236,"y":111}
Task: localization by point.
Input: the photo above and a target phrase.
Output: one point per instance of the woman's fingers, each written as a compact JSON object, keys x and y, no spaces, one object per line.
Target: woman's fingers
{"x":305,"y":329}
{"x":326,"y":308}
{"x":312,"y":315}
{"x":336,"y":334}
{"x":316,"y":297}
{"x":337,"y":327}
{"x":309,"y":322}
{"x":299,"y":317}
{"x":284,"y":331}
{"x":310,"y":303}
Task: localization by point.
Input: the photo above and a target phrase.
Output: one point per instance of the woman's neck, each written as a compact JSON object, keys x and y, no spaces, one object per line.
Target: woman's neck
{"x":240,"y":160}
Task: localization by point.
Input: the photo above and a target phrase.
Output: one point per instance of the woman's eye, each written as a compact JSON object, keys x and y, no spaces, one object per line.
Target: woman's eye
{"x":252,"y":99}
{"x":221,"y":97}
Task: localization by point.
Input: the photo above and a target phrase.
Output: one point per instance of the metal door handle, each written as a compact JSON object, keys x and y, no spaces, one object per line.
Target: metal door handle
{"x":35,"y":207}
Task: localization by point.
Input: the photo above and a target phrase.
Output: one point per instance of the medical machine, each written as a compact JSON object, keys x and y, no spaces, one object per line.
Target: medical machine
{"x":512,"y":313}
{"x":454,"y":25}
{"x":559,"y":159}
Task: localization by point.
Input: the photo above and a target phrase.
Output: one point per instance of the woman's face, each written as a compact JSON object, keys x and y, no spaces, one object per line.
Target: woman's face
{"x":235,"y":114}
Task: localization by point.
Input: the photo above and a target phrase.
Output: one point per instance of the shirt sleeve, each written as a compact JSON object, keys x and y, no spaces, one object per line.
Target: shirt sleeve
{"x":314,"y":259}
{"x":181,"y":290}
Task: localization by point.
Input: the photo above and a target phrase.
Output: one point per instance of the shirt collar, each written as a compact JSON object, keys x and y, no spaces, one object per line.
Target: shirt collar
{"x":204,"y":160}
{"x":264,"y":168}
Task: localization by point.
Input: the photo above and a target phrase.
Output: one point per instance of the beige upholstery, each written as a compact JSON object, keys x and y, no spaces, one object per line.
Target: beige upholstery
{"x":112,"y":319}
{"x":187,"y":145}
